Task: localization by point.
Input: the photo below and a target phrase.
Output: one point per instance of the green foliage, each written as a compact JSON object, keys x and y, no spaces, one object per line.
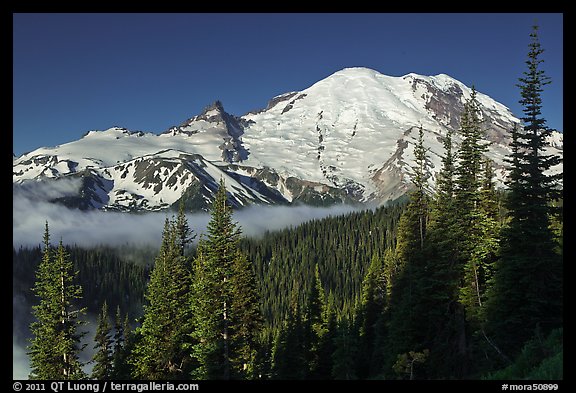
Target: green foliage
{"x":539,"y":360}
{"x":443,"y":287}
{"x":323,"y":327}
{"x":337,"y":331}
{"x":476,"y":226}
{"x":102,"y":359}
{"x":224,"y":301}
{"x":123,"y":368}
{"x":345,"y":355}
{"x":527,"y":290}
{"x":120,"y":367}
{"x":161,"y":352}
{"x":342,"y":247}
{"x":208,"y":313}
{"x":184,"y":235}
{"x":419,"y":198}
{"x":55,"y":346}
{"x":305,"y":341}
{"x":369,"y":316}
{"x":246,"y":319}
{"x":481,"y":251}
{"x":550,"y":369}
{"x":445,"y":179}
{"x":442,"y":276}
{"x":470,"y":158}
{"x":557,"y":226}
{"x":404,"y":366}
{"x":462,"y":245}
{"x":290,"y":350}
{"x":408,"y":306}
{"x":116,"y":275}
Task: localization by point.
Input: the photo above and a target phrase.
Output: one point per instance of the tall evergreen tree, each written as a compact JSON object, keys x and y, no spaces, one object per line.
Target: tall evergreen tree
{"x":528,"y":280}
{"x":407,"y":312}
{"x":119,"y":333}
{"x":420,"y":197}
{"x":183,"y":231}
{"x":323,"y":327}
{"x":161,"y":352}
{"x":369,"y":315}
{"x":207,"y":314}
{"x":55,"y":346}
{"x":345,"y":353}
{"x":119,"y":352}
{"x":463,"y":232}
{"x":290,"y":349}
{"x":123,"y":367}
{"x":246,"y":319}
{"x":445,"y":182}
{"x":443,"y":275}
{"x":103,"y":361}
{"x":312,"y":326}
{"x":484,"y":238}
{"x":225,"y":301}
{"x":470,"y":158}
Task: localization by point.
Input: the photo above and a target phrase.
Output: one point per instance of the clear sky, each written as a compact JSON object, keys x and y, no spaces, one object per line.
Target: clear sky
{"x":79,"y":72}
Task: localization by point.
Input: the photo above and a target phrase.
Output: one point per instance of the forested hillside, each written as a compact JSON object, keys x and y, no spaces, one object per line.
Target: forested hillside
{"x":323,"y":278}
{"x":341,"y":248}
{"x":116,"y":275}
{"x":461,"y":281}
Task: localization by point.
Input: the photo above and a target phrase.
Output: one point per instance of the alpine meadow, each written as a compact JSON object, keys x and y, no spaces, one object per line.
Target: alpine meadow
{"x":368,"y":227}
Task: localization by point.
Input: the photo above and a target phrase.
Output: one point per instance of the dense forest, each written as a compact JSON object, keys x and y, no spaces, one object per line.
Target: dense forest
{"x":462,"y":281}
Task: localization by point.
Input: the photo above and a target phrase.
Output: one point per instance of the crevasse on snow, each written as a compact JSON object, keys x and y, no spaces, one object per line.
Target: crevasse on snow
{"x":352,"y":131}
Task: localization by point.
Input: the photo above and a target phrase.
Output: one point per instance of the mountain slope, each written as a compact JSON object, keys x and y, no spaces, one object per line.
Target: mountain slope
{"x":348,"y":138}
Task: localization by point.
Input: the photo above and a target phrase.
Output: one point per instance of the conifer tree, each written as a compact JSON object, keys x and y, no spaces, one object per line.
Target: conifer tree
{"x":224,"y":301}
{"x":324,"y":328}
{"x":55,"y":346}
{"x":161,"y":352}
{"x":369,"y":313}
{"x":484,"y":238}
{"x":118,"y":332}
{"x":289,"y":353}
{"x":119,"y":353}
{"x":444,"y":200}
{"x":443,"y":273}
{"x":443,"y":233}
{"x":391,"y":269}
{"x":400,"y":263}
{"x":407,"y":310}
{"x":460,"y":230}
{"x":246,"y":319}
{"x":470,"y":157}
{"x":103,"y":361}
{"x":183,"y":231}
{"x":420,"y":197}
{"x":206,"y":304}
{"x":312,"y":325}
{"x":345,"y":353}
{"x":527,"y":292}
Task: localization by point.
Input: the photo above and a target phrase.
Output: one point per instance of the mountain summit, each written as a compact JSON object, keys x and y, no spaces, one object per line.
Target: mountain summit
{"x":347,"y":138}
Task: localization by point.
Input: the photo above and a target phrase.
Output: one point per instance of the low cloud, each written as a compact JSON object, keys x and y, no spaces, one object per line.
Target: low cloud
{"x":90,"y":228}
{"x":47,"y":189}
{"x":257,"y":219}
{"x":20,"y":364}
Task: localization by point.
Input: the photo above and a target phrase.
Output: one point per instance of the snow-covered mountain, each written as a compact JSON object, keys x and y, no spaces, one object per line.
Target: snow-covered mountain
{"x":348,"y":138}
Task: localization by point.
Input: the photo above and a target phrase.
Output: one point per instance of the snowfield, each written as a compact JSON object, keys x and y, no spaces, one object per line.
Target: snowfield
{"x":348,"y":137}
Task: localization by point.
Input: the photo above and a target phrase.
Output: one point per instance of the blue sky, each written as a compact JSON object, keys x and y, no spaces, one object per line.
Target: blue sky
{"x":79,"y":72}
